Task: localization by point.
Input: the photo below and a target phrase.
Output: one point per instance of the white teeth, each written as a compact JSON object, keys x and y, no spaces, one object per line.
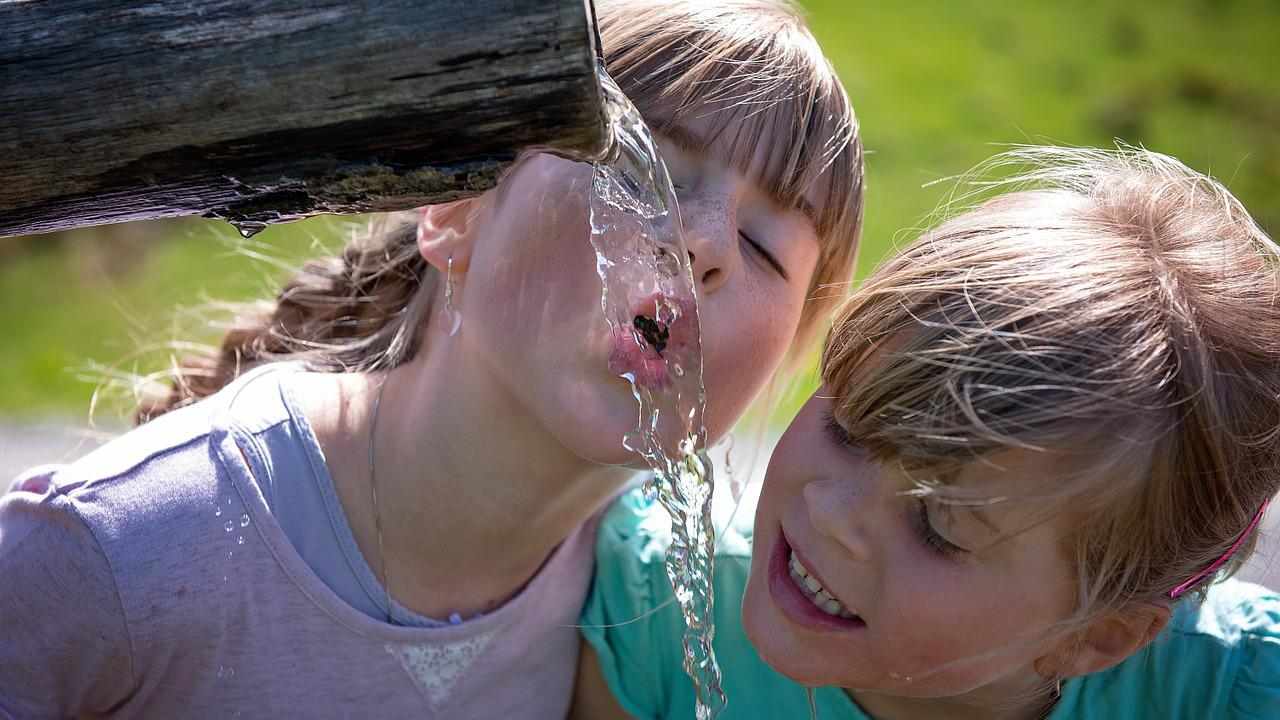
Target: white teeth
{"x":817,"y":594}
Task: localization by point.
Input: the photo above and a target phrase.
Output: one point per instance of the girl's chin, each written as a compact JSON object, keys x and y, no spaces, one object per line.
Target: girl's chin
{"x":596,"y":434}
{"x":777,"y":646}
{"x":599,"y":448}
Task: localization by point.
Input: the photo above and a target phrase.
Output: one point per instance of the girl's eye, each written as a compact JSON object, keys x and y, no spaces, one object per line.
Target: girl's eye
{"x":836,"y":431}
{"x":764,"y":255}
{"x":930,"y":537}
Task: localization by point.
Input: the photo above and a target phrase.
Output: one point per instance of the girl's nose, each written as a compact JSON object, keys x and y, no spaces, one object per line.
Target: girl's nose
{"x":710,"y":225}
{"x":836,"y":511}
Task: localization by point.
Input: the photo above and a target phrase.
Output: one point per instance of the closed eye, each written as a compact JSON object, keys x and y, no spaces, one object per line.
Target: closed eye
{"x":931,"y":538}
{"x":765,"y":255}
{"x":836,"y":431}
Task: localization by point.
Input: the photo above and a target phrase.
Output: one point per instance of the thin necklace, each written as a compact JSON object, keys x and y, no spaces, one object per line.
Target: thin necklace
{"x":454,"y":618}
{"x":373,"y":491}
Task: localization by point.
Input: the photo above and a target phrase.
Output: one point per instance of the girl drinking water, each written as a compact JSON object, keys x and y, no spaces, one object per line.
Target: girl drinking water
{"x":1047,"y":433}
{"x":377,"y":499}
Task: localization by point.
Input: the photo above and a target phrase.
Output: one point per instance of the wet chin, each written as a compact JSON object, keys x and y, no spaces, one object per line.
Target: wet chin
{"x":593,"y":430}
{"x":778,"y":646}
{"x":609,"y":452}
{"x":591,"y":420}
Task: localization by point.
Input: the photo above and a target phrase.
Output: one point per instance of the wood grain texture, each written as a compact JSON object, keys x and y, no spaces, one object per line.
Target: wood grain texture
{"x":277,"y":109}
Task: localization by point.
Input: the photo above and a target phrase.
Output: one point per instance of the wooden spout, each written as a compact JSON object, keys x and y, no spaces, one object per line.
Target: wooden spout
{"x":273,"y":110}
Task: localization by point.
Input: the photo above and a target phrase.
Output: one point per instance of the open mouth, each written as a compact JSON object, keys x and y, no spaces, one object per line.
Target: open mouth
{"x":802,"y":596}
{"x":812,"y":588}
{"x":655,"y":333}
{"x":658,"y":344}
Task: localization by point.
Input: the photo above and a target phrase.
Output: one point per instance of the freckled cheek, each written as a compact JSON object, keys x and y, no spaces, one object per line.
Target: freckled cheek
{"x":918,"y":599}
{"x":799,"y":459}
{"x":740,"y":347}
{"x":945,"y":623}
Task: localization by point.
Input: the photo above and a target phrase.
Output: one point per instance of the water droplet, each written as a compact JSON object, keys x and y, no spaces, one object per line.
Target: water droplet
{"x":244,"y":521}
{"x":248,"y":228}
{"x":240,"y":541}
{"x":650,"y":491}
{"x":229,"y":526}
{"x":217,"y":512}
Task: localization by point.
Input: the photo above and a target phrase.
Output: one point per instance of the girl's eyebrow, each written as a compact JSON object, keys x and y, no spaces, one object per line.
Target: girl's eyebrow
{"x":978,"y":514}
{"x":985,"y":519}
{"x":685,"y":138}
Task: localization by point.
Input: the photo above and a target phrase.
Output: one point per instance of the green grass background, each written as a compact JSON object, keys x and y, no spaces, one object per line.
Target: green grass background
{"x":937,"y":86}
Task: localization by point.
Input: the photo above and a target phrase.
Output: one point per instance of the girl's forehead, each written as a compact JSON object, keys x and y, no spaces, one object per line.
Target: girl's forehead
{"x":711,"y":135}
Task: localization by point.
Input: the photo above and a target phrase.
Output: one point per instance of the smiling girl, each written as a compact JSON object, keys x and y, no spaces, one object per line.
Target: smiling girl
{"x":390,"y":514}
{"x":1047,"y":433}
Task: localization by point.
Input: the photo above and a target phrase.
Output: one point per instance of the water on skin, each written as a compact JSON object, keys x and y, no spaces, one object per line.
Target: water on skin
{"x":640,"y":253}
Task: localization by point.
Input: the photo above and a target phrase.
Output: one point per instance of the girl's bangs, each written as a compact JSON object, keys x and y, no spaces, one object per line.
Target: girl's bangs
{"x":936,"y":377}
{"x":775,"y":110}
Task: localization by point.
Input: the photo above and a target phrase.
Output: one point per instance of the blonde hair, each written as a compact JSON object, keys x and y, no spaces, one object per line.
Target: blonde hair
{"x":750,"y":65}
{"x":1115,"y":306}
{"x":754,"y":72}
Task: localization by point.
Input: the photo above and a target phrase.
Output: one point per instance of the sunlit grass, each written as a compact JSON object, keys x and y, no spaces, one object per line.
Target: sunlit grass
{"x":69,"y":316}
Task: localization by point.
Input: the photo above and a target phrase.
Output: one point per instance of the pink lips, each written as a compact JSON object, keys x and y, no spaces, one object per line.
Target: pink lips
{"x":632,"y":355}
{"x":793,"y":604}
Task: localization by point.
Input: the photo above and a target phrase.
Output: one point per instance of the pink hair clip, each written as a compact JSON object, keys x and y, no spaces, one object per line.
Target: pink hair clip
{"x":1174,"y":593}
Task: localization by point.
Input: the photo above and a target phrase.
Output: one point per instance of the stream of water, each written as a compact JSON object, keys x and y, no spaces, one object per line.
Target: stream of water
{"x":649,"y":300}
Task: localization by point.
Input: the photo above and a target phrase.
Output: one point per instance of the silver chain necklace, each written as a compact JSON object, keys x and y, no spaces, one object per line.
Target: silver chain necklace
{"x":454,"y":618}
{"x":373,"y":491}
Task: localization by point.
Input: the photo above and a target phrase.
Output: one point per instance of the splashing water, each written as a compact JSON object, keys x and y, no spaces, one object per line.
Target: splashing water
{"x":649,"y":301}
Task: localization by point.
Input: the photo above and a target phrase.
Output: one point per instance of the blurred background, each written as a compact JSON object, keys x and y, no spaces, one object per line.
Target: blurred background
{"x":938,"y":86}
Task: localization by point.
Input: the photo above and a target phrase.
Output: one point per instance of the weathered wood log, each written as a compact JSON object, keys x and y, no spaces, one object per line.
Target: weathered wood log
{"x":273,"y":110}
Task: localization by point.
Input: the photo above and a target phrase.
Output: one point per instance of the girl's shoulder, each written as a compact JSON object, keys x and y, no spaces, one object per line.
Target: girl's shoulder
{"x":1236,"y":629}
{"x":1233,"y":613}
{"x":173,"y":449}
{"x":81,"y":543}
{"x":152,"y":497}
{"x":1217,"y":658}
{"x":138,"y":544}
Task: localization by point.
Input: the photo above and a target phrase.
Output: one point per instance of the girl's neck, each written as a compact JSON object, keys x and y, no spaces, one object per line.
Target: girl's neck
{"x":473,"y":495}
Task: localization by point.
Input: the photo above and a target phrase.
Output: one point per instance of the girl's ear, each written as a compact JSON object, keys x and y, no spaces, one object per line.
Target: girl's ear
{"x":446,"y":230}
{"x":1106,"y":642}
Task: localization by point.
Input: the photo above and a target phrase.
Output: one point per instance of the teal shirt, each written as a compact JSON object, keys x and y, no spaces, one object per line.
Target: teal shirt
{"x":1219,"y":659}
